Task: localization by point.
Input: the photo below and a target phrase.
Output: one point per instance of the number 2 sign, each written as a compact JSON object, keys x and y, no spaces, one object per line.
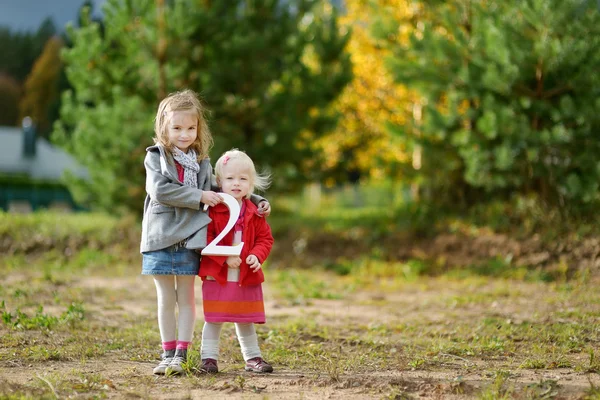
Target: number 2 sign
{"x":213,"y":249}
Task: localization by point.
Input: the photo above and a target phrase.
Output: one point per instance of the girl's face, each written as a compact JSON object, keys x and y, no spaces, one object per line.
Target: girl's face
{"x":235,"y":179}
{"x":182,"y":129}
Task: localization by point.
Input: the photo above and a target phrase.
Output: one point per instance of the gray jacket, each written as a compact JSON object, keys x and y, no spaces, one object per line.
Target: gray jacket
{"x":172,"y":211}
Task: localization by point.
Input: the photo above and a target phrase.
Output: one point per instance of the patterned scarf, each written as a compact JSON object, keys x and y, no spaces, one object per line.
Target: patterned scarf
{"x":190,"y":166}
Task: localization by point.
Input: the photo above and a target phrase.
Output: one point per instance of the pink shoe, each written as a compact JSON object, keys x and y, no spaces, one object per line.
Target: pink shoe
{"x":258,"y":365}
{"x":209,"y":365}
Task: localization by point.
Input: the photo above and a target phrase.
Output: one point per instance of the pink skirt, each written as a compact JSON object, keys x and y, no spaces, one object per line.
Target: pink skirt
{"x":232,"y":303}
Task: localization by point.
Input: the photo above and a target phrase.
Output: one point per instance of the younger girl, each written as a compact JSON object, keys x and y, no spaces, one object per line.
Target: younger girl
{"x":231,"y":286}
{"x":178,"y":185}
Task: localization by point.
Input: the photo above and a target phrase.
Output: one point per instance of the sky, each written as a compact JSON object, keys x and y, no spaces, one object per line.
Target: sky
{"x":27,"y":15}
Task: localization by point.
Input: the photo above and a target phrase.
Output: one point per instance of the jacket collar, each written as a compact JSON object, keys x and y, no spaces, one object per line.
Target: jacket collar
{"x":167,"y":162}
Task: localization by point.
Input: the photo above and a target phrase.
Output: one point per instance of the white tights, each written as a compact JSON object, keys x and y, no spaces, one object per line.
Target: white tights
{"x":175,"y":291}
{"x":246,"y":336}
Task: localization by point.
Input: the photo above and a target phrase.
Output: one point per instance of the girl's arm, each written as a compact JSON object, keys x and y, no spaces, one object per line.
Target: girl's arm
{"x":263,"y":240}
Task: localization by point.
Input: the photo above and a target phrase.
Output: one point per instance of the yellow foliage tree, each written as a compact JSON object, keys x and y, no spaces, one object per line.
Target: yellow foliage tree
{"x":10,"y":92}
{"x":362,"y":141}
{"x":41,"y":86}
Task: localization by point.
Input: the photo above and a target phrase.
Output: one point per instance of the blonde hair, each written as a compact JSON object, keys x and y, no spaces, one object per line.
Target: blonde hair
{"x":257,"y":181}
{"x":185,"y":100}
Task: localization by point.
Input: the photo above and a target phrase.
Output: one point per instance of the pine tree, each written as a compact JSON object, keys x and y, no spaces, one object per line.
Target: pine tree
{"x":261,"y":67}
{"x":269,"y":70}
{"x":511,"y":95}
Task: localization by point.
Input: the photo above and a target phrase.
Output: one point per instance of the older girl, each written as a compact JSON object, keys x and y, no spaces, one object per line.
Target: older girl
{"x":178,"y":185}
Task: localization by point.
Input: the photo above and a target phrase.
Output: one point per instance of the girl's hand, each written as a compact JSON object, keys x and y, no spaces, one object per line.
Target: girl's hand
{"x":233,"y":262}
{"x":264,"y":208}
{"x":210,"y":198}
{"x":253,"y":262}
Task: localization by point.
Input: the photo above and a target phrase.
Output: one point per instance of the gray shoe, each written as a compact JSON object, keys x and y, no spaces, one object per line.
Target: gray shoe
{"x":167,"y":357}
{"x":175,"y":367}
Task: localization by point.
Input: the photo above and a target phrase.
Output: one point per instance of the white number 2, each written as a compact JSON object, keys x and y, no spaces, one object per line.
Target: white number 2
{"x":234,"y":212}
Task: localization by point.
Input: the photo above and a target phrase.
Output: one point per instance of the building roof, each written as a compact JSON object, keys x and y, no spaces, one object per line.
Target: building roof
{"x":48,"y":163}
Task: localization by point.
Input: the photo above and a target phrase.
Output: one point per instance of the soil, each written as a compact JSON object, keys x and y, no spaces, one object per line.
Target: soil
{"x":455,"y":378}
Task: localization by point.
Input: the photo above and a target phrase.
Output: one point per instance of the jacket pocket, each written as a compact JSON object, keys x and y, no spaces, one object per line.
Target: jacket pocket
{"x":158,"y":208}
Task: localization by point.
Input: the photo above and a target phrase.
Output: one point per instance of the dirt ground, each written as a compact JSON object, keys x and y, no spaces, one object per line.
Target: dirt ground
{"x":455,"y":378}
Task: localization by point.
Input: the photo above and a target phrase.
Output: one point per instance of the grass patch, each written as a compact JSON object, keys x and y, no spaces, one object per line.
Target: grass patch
{"x":40,"y":320}
{"x":299,"y":287}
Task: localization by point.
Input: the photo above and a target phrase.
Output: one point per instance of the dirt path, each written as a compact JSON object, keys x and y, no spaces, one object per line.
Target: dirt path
{"x":455,"y":377}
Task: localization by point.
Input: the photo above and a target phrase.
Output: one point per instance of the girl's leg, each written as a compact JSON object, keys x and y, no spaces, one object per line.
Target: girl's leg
{"x":186,"y":303}
{"x":249,"y":343}
{"x":209,"y":351}
{"x":210,"y":340}
{"x":246,"y":334}
{"x":166,"y":298}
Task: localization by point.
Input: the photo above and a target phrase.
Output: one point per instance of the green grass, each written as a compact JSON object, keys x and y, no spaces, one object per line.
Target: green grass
{"x":499,"y":389}
{"x":68,"y":242}
{"x":42,"y":228}
{"x":593,"y":393}
{"x":299,"y":287}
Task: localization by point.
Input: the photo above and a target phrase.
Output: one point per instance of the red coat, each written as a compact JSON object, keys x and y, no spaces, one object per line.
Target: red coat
{"x":257,"y":239}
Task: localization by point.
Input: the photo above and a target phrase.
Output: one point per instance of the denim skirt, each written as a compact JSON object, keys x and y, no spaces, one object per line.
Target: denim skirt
{"x":174,"y":260}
